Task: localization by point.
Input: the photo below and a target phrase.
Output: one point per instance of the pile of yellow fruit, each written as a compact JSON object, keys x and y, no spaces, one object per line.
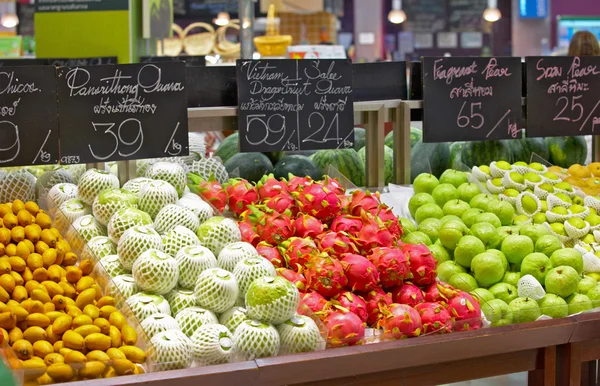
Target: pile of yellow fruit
{"x":587,"y":178}
{"x":52,"y":312}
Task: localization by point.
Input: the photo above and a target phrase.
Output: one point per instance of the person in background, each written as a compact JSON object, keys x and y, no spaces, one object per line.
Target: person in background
{"x":584,"y":43}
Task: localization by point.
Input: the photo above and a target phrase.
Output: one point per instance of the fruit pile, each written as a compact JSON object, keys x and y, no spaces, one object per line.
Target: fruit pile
{"x":495,"y":246}
{"x":587,"y":178}
{"x":52,"y":312}
{"x":343,"y":253}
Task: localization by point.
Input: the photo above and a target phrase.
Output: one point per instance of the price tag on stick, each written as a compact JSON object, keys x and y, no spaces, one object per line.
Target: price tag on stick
{"x":471,"y":99}
{"x":122,"y":112}
{"x":563,"y":96}
{"x":295,"y":105}
{"x":28,"y":116}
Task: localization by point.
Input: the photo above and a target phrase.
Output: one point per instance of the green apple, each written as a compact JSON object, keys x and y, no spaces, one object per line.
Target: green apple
{"x":533,"y":231}
{"x":497,"y":312}
{"x":525,"y":310}
{"x":563,"y":197}
{"x":567,"y":256}
{"x":511,"y":192}
{"x":463,"y":282}
{"x":511,"y":278}
{"x":451,"y":233}
{"x":594,"y":296}
{"x":539,"y":218}
{"x":470,"y":216}
{"x":482,"y":294}
{"x":431,"y":227}
{"x":467,"y":248}
{"x":516,"y":247}
{"x":428,"y":211}
{"x":593,"y":219}
{"x":503,"y":165}
{"x":576,"y":208}
{"x":481,"y":200}
{"x":532,"y":177}
{"x":529,"y":204}
{"x":416,"y":238}
{"x":577,"y":200}
{"x":467,"y":191}
{"x":553,"y":306}
{"x":560,"y":210}
{"x":488,"y":269}
{"x":455,"y":207}
{"x":577,"y":222}
{"x":564,"y":186}
{"x":407,"y":224}
{"x":520,"y":219}
{"x":450,"y":217}
{"x":425,"y":183}
{"x":500,"y":255}
{"x":537,"y":265}
{"x":548,"y":244}
{"x":489,"y":218}
{"x":551,"y":176}
{"x":578,"y":303}
{"x":536,"y":166}
{"x":439,"y":252}
{"x":444,"y":193}
{"x":517,"y":177}
{"x":548,"y":187}
{"x":417,"y":201}
{"x":485,"y":232}
{"x":485,"y":169}
{"x":503,"y":209}
{"x":562,"y":281}
{"x":520,"y":163}
{"x":449,"y":268}
{"x":558,"y":228}
{"x":501,"y":234}
{"x":504,"y":291}
{"x":586,"y":284}
{"x":454,"y":177}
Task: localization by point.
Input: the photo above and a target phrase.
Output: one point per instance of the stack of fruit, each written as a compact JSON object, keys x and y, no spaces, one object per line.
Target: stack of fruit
{"x":343,"y":254}
{"x":52,"y":312}
{"x":518,"y":268}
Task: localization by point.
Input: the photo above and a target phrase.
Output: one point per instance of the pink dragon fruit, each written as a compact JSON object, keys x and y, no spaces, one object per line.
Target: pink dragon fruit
{"x":282,"y":202}
{"x":334,"y":185}
{"x":363,"y":201}
{"x":297,"y":184}
{"x":241,"y":193}
{"x":465,"y":309}
{"x":345,"y":329}
{"x":297,"y":252}
{"x":389,"y":219}
{"x":270,"y":253}
{"x":308,"y":226}
{"x":214,"y":193}
{"x":435,"y":318}
{"x":314,"y":303}
{"x":392,"y":265}
{"x":294,"y":277}
{"x":274,"y":227}
{"x":318,"y":201}
{"x":373,"y":234}
{"x":409,"y":294}
{"x":352,"y":303}
{"x":422,"y":263}
{"x":347,"y":223}
{"x":377,"y":301}
{"x":326,"y":275}
{"x":361,"y":273}
{"x":248,"y":233}
{"x":401,"y":321}
{"x":433,"y":293}
{"x":269,"y":187}
{"x":336,"y":243}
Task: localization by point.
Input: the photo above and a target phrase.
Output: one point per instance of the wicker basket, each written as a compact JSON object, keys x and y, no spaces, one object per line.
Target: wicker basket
{"x":272,"y":44}
{"x":224,"y":47}
{"x":173,"y":46}
{"x":201,"y":43}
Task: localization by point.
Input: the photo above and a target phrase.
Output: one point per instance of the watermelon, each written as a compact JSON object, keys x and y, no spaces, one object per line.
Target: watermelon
{"x":455,"y":160}
{"x":484,"y":152}
{"x":250,"y":166}
{"x":276,"y":156}
{"x":416,"y":135}
{"x":567,"y":151}
{"x":388,"y":162}
{"x":297,"y":165}
{"x":359,"y":138}
{"x":536,"y":146}
{"x":429,"y":158}
{"x":228,"y":147}
{"x":346,"y":161}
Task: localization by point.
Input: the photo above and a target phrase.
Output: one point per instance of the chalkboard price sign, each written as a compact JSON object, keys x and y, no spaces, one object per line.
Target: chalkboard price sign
{"x":563,"y":96}
{"x":28,"y":116}
{"x":471,"y":99}
{"x":295,"y":105}
{"x":122,"y":112}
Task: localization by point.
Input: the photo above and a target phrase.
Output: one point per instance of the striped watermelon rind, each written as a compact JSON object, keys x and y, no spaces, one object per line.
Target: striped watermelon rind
{"x":346,"y":161}
{"x":429,"y":158}
{"x":228,"y":147}
{"x":416,"y":135}
{"x":478,"y":153}
{"x":388,"y":162}
{"x":567,"y":151}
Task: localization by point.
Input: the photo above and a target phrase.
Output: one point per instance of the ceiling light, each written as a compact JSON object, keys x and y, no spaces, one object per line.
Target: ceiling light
{"x":397,"y":15}
{"x":492,"y":13}
{"x":222,"y":19}
{"x":9,"y":20}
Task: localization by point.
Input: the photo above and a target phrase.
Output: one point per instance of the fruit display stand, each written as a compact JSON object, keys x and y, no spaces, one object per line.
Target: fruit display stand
{"x":578,"y":359}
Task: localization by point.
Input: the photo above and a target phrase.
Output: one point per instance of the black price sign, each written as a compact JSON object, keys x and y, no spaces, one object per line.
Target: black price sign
{"x":190,"y":61}
{"x":563,"y":96}
{"x":295,"y":104}
{"x":73,"y":62}
{"x":122,"y":112}
{"x":471,"y":99}
{"x":379,"y":81}
{"x":28,"y":116}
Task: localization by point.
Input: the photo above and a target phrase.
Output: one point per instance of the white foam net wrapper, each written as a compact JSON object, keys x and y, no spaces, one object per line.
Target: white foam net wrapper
{"x":111,"y":200}
{"x":235,"y":252}
{"x":529,"y":287}
{"x":180,"y":299}
{"x":158,"y":300}
{"x":189,"y":320}
{"x":135,"y":241}
{"x":124,"y":219}
{"x":233,"y":317}
{"x":193,"y":260}
{"x":98,"y":247}
{"x":69,"y":211}
{"x":17,"y":185}
{"x":170,"y":172}
{"x":60,"y":193}
{"x":155,"y":324}
{"x":216,"y":290}
{"x":135,"y":184}
{"x":211,"y":166}
{"x":299,"y":334}
{"x":172,"y":215}
{"x":122,"y":287}
{"x":83,"y":230}
{"x":256,"y":340}
{"x":217,"y":232}
{"x":496,"y":172}
{"x":201,"y":208}
{"x":251,"y":268}
{"x":155,"y":271}
{"x":591,"y":262}
{"x":112,"y":265}
{"x":212,"y":344}
{"x":93,"y":182}
{"x":156,"y":195}
{"x":280,"y":308}
{"x":177,"y":239}
{"x":142,"y":310}
{"x":172,"y":351}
